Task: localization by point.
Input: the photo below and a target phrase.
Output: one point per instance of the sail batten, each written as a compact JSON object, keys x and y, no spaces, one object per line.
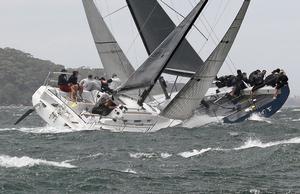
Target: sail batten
{"x":189,"y":98}
{"x":112,"y":57}
{"x":154,"y":25}
{"x":149,"y":72}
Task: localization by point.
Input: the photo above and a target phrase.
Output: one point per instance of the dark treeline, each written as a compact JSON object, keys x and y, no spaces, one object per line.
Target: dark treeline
{"x":21,"y":74}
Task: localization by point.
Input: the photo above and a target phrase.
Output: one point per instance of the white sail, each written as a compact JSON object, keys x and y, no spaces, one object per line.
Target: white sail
{"x":188,"y":99}
{"x":112,"y":57}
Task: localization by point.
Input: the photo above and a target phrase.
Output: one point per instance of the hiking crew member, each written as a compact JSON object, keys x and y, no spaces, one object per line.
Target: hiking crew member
{"x":73,"y":81}
{"x":282,"y":81}
{"x":63,"y":83}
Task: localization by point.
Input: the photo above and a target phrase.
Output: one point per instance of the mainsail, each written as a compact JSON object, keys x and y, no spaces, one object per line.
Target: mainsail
{"x":188,"y":99}
{"x":149,"y":72}
{"x":111,"y":55}
{"x":154,"y":25}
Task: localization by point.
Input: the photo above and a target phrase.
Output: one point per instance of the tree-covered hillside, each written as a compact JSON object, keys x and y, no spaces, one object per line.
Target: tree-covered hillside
{"x":21,"y":74}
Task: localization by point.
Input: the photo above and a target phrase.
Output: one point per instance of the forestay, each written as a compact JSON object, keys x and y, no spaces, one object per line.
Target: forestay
{"x":111,"y":55}
{"x":188,"y":99}
{"x":154,"y":25}
{"x":149,"y":72}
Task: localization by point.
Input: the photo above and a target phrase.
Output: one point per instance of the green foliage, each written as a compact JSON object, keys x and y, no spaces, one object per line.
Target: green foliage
{"x":21,"y":75}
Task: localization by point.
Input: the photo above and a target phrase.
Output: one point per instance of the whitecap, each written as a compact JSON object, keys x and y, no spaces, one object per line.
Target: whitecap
{"x":165,"y":155}
{"x":252,"y":143}
{"x":128,"y":170}
{"x":142,"y":155}
{"x":25,"y":161}
{"x":193,"y":153}
{"x":296,"y":110}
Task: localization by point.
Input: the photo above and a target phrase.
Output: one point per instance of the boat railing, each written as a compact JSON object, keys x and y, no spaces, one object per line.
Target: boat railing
{"x":52,"y":78}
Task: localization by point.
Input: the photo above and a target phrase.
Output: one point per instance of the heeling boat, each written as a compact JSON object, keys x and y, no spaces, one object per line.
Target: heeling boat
{"x":131,"y":115}
{"x":55,"y":108}
{"x":154,"y":25}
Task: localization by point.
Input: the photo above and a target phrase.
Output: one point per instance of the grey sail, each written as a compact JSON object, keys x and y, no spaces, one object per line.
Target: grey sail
{"x":154,"y":25}
{"x":111,"y":55}
{"x":149,"y":72}
{"x":188,"y":99}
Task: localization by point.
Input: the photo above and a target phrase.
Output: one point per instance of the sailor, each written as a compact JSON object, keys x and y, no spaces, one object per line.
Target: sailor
{"x":115,"y":82}
{"x":259,"y":81}
{"x":73,"y":81}
{"x":272,"y":78}
{"x":63,"y":82}
{"x":89,"y":84}
{"x":239,"y":84}
{"x":282,"y":81}
{"x":104,"y":106}
{"x":105,"y":85}
{"x":252,"y":77}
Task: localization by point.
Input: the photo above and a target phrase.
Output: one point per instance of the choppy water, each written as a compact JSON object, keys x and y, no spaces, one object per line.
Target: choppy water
{"x":257,"y":156}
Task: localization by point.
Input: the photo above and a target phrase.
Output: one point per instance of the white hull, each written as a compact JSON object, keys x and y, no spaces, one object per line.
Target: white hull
{"x":53,"y":107}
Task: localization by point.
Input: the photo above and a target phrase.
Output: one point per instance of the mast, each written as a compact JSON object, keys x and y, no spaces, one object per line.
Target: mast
{"x":149,"y":72}
{"x":188,"y":99}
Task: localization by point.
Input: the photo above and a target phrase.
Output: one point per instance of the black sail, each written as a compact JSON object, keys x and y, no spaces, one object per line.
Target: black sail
{"x":154,"y":26}
{"x":149,"y":72}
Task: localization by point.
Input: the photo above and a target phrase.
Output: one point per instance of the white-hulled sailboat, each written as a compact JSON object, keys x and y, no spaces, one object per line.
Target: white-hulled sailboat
{"x":133,"y":114}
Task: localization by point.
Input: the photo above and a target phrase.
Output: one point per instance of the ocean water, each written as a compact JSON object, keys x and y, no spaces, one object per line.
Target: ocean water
{"x":257,"y":156}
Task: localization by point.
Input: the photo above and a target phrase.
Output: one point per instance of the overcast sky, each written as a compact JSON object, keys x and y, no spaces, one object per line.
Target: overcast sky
{"x":57,"y":30}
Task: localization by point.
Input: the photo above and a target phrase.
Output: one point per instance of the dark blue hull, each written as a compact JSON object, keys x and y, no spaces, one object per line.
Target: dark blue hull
{"x":238,"y":110}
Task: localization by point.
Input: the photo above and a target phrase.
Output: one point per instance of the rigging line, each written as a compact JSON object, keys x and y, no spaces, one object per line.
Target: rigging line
{"x":219,"y":41}
{"x":183,"y":17}
{"x":112,"y":13}
{"x":142,"y":28}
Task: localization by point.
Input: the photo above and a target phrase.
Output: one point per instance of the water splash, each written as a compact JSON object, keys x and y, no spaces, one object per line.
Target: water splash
{"x":257,"y":117}
{"x":25,"y":161}
{"x":199,"y":120}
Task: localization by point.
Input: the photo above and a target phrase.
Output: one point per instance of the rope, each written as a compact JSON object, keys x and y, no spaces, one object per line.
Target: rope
{"x":183,"y":17}
{"x":114,"y":12}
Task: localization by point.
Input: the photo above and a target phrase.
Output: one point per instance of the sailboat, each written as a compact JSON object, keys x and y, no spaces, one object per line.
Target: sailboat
{"x":136,"y":114}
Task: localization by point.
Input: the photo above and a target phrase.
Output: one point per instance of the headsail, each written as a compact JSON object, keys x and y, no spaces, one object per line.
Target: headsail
{"x":154,"y":25}
{"x":188,"y":99}
{"x":111,"y":55}
{"x":149,"y":72}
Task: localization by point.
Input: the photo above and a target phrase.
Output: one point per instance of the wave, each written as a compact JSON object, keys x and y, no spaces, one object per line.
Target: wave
{"x":25,"y":161}
{"x":250,"y":143}
{"x":194,"y":153}
{"x":141,"y":155}
{"x":130,"y":171}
